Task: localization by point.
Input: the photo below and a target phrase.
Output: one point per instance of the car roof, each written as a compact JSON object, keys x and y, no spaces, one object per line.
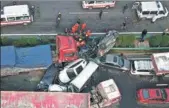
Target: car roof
{"x":66,"y":42}
{"x":109,"y":89}
{"x":161,"y":62}
{"x":143,"y":65}
{"x":151,"y":6}
{"x":16,"y":10}
{"x":110,"y":58}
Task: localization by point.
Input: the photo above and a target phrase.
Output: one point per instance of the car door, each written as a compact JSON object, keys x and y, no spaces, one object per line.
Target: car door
{"x":112,"y":65}
{"x":99,"y":4}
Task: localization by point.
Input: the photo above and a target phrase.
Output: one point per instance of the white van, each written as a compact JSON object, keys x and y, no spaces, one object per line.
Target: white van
{"x":72,"y":70}
{"x":150,"y":10}
{"x":77,"y":84}
{"x":16,"y":14}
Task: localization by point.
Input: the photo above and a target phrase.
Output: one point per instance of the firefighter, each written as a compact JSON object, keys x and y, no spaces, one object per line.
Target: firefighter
{"x":83,"y":27}
{"x":75,"y":28}
{"x":80,"y":42}
{"x":88,"y":33}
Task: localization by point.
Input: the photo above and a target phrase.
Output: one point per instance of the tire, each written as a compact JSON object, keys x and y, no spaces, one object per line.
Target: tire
{"x":90,"y":8}
{"x":107,"y":7}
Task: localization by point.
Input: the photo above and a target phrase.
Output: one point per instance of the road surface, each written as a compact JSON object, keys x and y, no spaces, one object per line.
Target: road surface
{"x":46,"y":12}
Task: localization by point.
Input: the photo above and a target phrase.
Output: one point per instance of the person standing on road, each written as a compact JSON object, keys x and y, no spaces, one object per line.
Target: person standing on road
{"x":124,"y":26}
{"x":125,"y":8}
{"x":144,"y":33}
{"x":33,"y":11}
{"x":165,"y":31}
{"x":100,"y":14}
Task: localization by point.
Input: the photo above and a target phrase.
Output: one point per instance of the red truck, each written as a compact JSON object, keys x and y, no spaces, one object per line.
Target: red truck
{"x":66,"y":48}
{"x":14,"y":99}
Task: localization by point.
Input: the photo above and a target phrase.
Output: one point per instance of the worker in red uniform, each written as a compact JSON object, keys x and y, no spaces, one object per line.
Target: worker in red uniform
{"x":80,"y":42}
{"x":88,"y":33}
{"x":83,"y":27}
{"x":75,"y":28}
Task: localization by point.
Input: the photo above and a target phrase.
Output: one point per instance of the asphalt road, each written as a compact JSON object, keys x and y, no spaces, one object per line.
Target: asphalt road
{"x":127,"y":84}
{"x":46,"y":12}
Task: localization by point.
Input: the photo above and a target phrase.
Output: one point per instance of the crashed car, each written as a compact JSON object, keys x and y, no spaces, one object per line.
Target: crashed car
{"x":107,"y":42}
{"x":114,"y":61}
{"x":72,"y":70}
{"x":99,"y":45}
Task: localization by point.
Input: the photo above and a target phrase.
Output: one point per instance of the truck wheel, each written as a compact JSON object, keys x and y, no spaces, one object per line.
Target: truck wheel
{"x":90,"y":8}
{"x":107,"y":7}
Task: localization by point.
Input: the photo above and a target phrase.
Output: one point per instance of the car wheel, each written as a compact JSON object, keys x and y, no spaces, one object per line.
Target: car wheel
{"x":107,"y":7}
{"x":90,"y":8}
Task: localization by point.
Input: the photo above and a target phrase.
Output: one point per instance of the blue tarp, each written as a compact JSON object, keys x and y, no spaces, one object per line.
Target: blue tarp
{"x":8,"y":56}
{"x":30,"y":57}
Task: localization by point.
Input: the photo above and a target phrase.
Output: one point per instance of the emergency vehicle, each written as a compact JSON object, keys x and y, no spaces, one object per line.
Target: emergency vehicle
{"x":98,"y":4}
{"x":150,"y":10}
{"x":16,"y":14}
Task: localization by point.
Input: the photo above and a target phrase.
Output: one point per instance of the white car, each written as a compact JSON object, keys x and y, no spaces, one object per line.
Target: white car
{"x":72,"y":70}
{"x":142,"y":67}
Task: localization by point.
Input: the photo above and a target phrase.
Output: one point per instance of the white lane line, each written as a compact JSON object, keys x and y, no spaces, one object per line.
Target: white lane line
{"x":92,"y":34}
{"x":75,"y":13}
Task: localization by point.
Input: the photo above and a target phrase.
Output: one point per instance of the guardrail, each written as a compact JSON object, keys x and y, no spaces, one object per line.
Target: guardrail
{"x":54,"y":34}
{"x":154,"y":48}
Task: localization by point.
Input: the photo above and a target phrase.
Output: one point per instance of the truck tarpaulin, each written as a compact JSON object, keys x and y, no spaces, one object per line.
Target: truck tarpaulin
{"x":30,"y":57}
{"x":161,"y":63}
{"x":8,"y":56}
{"x":48,"y":77}
{"x":14,"y":99}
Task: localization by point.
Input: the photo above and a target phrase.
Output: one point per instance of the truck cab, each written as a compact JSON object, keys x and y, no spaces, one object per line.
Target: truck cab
{"x":105,"y":95}
{"x":66,"y":49}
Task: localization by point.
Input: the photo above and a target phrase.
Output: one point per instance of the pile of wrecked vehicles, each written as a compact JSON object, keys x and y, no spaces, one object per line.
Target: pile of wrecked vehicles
{"x":76,"y":65}
{"x":75,"y":68}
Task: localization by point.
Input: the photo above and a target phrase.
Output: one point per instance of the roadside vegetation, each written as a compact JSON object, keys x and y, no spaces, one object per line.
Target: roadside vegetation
{"x":127,"y":41}
{"x":123,"y":41}
{"x":25,"y":41}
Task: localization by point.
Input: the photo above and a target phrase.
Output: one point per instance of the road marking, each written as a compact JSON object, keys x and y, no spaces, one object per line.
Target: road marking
{"x":75,"y":13}
{"x":161,"y":84}
{"x":92,"y":34}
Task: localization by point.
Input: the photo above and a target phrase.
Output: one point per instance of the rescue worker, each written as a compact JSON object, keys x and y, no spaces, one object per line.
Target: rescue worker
{"x":75,"y":28}
{"x":78,"y":21}
{"x":100,"y":14}
{"x":59,"y":16}
{"x":124,"y":26}
{"x":83,"y":27}
{"x":32,"y":10}
{"x":88,"y":33}
{"x":80,"y":42}
{"x":125,"y":8}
